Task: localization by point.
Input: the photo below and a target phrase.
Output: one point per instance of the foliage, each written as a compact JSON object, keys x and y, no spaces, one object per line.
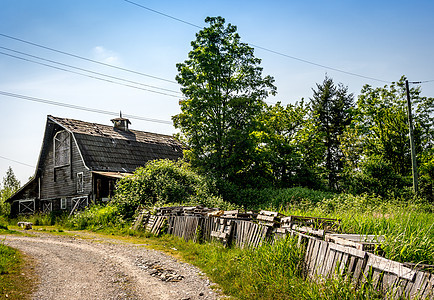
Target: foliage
{"x":224,"y":91}
{"x":288,"y":147}
{"x":162,"y":182}
{"x":379,"y":134}
{"x":10,"y":185}
{"x":407,"y":225}
{"x":95,"y":217}
{"x":267,"y":272}
{"x":15,"y":273}
{"x":8,"y":257}
{"x":331,"y":107}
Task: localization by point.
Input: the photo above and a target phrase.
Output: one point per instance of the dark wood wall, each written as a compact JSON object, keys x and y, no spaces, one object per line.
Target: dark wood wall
{"x":59,"y":182}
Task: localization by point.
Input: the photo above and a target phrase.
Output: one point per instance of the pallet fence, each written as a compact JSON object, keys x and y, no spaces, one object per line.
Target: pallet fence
{"x":327,"y":253}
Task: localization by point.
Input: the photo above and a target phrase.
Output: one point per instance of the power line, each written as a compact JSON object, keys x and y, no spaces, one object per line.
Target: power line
{"x":86,"y":70}
{"x":18,"y":162}
{"x":39,"y":100}
{"x":89,"y":71}
{"x":163,"y":14}
{"x":262,"y":48}
{"x":86,"y":59}
{"x":420,"y":82}
{"x":90,"y":76}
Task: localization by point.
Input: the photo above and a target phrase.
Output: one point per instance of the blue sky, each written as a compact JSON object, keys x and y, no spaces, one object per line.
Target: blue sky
{"x":377,"y":39}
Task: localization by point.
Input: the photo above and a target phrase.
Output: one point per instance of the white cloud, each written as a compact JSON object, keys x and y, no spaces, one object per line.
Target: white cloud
{"x":106,"y":56}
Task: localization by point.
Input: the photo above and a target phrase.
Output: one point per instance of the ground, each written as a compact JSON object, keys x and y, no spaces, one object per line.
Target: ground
{"x":89,"y":266}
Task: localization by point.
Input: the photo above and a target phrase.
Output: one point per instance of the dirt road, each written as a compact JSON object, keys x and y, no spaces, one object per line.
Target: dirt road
{"x":73,"y":267}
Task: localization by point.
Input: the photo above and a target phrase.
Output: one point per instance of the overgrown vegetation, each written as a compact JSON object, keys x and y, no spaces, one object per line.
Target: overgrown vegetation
{"x":14,"y":283}
{"x":326,"y":157}
{"x":164,"y":182}
{"x":268,"y":272}
{"x":8,"y":187}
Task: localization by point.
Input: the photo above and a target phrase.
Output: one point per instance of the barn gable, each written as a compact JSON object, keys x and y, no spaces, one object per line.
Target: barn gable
{"x":80,"y":161}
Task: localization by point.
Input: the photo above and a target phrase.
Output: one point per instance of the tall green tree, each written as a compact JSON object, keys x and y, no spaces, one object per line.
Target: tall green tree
{"x":331,"y":107}
{"x":377,"y":145}
{"x":10,"y":185}
{"x":289,"y":147}
{"x":224,"y":90}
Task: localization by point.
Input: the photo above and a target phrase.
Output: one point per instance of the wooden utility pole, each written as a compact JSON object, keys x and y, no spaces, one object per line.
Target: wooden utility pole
{"x":413,"y":150}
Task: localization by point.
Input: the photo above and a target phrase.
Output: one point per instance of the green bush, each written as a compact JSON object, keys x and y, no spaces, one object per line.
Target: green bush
{"x":163,"y":182}
{"x":95,"y":217}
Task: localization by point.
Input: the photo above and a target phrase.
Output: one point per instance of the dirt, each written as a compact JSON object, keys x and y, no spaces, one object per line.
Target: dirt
{"x":93,"y":267}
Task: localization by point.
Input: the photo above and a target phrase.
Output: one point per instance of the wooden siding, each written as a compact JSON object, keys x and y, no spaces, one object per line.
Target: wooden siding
{"x":61,"y":182}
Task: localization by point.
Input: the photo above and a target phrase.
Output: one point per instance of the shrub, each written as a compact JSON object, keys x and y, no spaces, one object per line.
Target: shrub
{"x":162,"y":182}
{"x":95,"y":217}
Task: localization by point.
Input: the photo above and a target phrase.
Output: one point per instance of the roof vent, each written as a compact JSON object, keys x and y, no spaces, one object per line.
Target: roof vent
{"x":121,"y":123}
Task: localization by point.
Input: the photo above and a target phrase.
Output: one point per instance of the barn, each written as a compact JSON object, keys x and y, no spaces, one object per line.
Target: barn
{"x":80,"y":162}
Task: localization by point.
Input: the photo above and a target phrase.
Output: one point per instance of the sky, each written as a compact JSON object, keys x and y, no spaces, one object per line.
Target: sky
{"x":299,"y":43}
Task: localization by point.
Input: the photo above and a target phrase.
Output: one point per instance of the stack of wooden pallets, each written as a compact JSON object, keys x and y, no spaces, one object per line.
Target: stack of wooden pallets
{"x":309,"y":225}
{"x":155,"y":224}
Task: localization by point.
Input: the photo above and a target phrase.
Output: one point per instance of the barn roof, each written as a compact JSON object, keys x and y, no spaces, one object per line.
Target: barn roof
{"x":106,"y":148}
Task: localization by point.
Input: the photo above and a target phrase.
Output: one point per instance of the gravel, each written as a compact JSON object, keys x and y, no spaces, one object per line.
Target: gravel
{"x":87,"y":266}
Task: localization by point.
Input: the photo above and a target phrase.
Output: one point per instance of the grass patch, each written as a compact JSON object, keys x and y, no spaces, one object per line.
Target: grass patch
{"x":16,"y":274}
{"x":268,"y":272}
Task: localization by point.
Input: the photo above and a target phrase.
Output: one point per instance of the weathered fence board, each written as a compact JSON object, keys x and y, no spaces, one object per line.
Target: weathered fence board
{"x":323,"y":259}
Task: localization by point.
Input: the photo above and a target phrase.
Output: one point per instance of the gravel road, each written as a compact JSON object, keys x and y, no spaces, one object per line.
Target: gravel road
{"x":92,"y":267}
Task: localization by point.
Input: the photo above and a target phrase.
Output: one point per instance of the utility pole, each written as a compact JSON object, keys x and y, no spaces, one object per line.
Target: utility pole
{"x":413,"y":151}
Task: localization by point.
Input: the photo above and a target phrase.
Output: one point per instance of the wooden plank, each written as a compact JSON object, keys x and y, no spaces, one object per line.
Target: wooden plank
{"x":390,"y":266}
{"x":349,"y":250}
{"x":418,"y":282}
{"x":352,"y":264}
{"x":398,"y":290}
{"x":326,"y":270}
{"x":252,"y":232}
{"x":308,"y":256}
{"x":342,"y":265}
{"x":265,"y":218}
{"x":337,"y":263}
{"x":321,"y":256}
{"x":377,"y":276}
{"x":253,"y":236}
{"x":358,"y":270}
{"x":316,"y":232}
{"x":268,"y":213}
{"x":429,"y":289}
{"x":314,"y":257}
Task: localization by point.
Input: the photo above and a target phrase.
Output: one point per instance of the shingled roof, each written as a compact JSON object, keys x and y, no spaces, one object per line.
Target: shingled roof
{"x":105,"y":148}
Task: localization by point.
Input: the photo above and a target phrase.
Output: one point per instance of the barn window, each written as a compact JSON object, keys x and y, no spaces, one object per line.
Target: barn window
{"x":80,"y":184}
{"x":62,"y":144}
{"x":62,"y":203}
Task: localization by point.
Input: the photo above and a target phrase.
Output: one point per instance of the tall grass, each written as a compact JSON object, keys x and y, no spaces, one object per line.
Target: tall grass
{"x":271,"y":271}
{"x":96,"y":218}
{"x":408,"y":225}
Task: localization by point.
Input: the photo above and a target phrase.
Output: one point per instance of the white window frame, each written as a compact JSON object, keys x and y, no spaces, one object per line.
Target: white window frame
{"x":80,"y":182}
{"x":67,"y":149}
{"x":63,"y":203}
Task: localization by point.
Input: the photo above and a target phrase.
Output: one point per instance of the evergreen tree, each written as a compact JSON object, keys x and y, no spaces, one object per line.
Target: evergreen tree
{"x":331,"y":108}
{"x":10,"y":185}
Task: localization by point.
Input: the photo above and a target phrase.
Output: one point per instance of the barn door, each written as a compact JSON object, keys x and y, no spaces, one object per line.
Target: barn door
{"x":47,"y":207}
{"x":26,"y":206}
{"x":79,"y":203}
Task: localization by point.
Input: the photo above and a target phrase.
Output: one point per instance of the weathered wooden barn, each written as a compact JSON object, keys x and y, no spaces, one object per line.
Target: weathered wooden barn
{"x":80,"y":162}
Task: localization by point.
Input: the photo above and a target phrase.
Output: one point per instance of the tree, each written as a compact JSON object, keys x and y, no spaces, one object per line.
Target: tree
{"x":378,"y":138}
{"x":331,"y":108}
{"x":289,"y":146}
{"x":224,"y":90}
{"x":10,"y":185}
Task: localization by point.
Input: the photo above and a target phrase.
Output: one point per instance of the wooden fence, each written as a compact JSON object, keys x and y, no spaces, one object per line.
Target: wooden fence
{"x":324,"y":257}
